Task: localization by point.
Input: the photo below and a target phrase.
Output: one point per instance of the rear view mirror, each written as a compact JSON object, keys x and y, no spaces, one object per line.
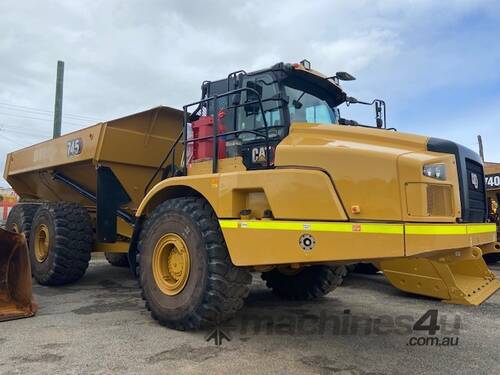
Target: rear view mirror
{"x":344,"y":76}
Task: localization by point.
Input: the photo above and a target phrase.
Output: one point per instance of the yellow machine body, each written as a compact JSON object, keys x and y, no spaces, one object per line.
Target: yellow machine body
{"x":361,"y":195}
{"x":357,"y":194}
{"x":492,"y":172}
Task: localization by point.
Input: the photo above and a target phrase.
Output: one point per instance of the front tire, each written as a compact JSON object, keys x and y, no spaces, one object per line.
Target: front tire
{"x":492,"y":258}
{"x":187,"y":278}
{"x":60,"y":243}
{"x":305,"y":284}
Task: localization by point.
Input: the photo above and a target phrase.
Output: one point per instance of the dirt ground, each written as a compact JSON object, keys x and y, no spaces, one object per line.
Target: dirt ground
{"x":100,"y":326}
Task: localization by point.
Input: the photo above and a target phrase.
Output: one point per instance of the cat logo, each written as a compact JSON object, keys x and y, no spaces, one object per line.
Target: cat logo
{"x":259,"y":154}
{"x":475,"y":180}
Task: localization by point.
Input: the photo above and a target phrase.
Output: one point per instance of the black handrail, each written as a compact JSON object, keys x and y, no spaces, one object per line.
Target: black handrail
{"x":216,"y":136}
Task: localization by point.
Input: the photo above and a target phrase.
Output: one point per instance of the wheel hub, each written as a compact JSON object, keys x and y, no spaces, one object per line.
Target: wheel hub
{"x":42,"y":240}
{"x":171,"y":264}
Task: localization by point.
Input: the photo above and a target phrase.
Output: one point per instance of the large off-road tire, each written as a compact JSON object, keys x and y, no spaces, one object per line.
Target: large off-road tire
{"x":186,"y":275}
{"x":117,"y":259}
{"x":492,"y":258}
{"x":20,"y":218}
{"x":306,"y":283}
{"x":60,"y":243}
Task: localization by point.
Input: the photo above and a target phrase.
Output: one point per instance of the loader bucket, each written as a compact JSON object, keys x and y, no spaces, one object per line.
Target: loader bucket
{"x":458,"y":276}
{"x":16,"y":300}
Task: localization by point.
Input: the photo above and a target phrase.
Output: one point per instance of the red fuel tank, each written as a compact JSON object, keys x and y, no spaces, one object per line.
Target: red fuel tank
{"x":204,"y":127}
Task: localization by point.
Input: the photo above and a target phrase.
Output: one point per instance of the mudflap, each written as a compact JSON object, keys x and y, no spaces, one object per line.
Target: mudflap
{"x":458,"y":276}
{"x":16,"y":300}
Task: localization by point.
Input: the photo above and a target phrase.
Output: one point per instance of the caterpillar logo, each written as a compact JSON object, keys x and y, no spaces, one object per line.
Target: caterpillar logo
{"x":474,"y":180}
{"x":259,"y":154}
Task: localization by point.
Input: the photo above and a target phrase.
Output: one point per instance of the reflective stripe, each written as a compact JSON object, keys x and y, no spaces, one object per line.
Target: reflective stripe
{"x":435,"y":229}
{"x":481,"y":228}
{"x":313,"y":226}
{"x":451,"y":229}
{"x":417,"y":229}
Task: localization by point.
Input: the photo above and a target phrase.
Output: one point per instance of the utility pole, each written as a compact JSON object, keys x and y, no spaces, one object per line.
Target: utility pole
{"x":59,"y":99}
{"x":480,"y":142}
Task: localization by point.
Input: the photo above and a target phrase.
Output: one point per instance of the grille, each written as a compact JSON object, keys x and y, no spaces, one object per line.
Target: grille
{"x":439,"y":200}
{"x":476,"y":191}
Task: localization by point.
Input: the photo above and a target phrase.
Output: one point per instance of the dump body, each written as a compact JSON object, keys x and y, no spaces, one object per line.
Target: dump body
{"x":132,"y":147}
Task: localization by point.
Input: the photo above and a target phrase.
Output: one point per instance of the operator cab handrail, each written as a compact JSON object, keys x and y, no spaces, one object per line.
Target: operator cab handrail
{"x":216,"y":136}
{"x":182,"y":137}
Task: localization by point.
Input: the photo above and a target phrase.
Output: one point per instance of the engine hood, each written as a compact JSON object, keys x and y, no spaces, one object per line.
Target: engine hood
{"x":362,"y":163}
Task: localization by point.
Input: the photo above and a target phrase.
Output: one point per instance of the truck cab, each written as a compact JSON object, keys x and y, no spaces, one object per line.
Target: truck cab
{"x":288,"y":93}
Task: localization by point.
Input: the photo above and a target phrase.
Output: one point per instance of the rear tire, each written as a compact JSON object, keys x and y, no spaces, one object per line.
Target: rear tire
{"x":60,"y":243}
{"x":117,"y":259}
{"x":20,"y":218}
{"x":213,"y":289}
{"x":365,"y":269}
{"x":309,"y":283}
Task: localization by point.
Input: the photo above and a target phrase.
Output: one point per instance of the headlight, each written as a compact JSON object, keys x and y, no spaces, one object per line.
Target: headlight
{"x":437,"y":171}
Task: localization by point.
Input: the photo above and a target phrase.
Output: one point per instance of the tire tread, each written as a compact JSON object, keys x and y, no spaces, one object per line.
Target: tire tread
{"x":227,"y":285}
{"x":72,"y":246}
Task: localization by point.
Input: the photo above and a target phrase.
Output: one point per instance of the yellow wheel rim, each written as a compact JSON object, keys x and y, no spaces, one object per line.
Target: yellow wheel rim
{"x":42,"y":239}
{"x":15,"y":228}
{"x":171,"y":264}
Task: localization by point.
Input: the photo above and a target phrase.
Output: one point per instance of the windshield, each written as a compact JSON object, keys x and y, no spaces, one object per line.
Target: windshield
{"x":305,"y":107}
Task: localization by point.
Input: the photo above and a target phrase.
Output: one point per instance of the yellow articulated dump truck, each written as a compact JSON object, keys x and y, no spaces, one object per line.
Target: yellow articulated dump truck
{"x":262,"y":174}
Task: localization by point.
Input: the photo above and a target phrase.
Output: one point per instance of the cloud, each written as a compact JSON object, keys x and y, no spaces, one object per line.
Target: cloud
{"x":123,"y":57}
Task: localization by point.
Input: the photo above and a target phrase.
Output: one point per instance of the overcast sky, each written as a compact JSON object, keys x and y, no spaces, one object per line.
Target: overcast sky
{"x":436,"y":63}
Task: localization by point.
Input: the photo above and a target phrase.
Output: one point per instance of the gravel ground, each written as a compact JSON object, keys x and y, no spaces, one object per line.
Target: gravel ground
{"x":100,"y":326}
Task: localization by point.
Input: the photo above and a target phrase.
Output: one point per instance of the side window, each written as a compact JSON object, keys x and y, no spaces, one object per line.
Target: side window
{"x":318,"y":114}
{"x":249,"y":115}
{"x":223,"y":103}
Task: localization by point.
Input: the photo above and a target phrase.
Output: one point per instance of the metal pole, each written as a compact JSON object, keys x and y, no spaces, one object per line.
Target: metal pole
{"x":480,"y":142}
{"x":59,"y":99}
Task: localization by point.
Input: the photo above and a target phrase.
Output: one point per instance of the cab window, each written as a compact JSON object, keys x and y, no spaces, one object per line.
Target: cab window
{"x":304,"y":107}
{"x":249,"y":115}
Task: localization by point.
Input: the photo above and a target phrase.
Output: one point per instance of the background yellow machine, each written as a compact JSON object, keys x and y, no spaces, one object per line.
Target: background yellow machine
{"x":492,"y":171}
{"x":262,"y":174}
